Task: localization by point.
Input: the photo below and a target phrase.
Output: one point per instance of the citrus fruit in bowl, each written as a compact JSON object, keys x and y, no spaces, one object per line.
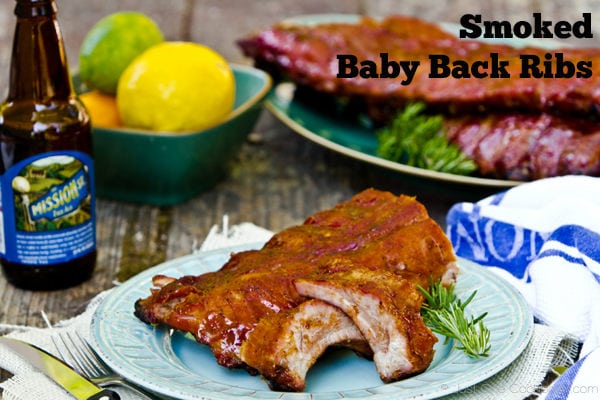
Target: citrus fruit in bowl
{"x":110,"y":46}
{"x":166,"y":168}
{"x":176,"y":87}
{"x":102,"y":108}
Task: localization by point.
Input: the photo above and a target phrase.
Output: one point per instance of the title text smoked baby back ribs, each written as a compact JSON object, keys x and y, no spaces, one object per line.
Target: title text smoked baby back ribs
{"x":374,"y":231}
{"x":307,"y":55}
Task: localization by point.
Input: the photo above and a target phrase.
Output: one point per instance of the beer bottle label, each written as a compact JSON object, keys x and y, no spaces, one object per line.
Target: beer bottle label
{"x":47,"y":209}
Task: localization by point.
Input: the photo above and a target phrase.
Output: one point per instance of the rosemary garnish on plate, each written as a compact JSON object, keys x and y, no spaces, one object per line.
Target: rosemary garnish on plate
{"x":444,"y":313}
{"x":417,"y":139}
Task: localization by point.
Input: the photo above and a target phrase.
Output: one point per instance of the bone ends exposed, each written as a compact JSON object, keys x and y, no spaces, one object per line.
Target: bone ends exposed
{"x":285,"y":345}
{"x":385,"y":308}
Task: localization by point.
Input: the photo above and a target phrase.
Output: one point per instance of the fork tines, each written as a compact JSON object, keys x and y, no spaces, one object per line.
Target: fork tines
{"x":76,"y":351}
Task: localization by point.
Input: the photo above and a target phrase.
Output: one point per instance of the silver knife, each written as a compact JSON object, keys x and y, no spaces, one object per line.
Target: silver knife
{"x":59,"y":372}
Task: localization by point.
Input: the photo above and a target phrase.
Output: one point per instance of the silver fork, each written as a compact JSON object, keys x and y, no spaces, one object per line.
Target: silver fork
{"x":76,"y":351}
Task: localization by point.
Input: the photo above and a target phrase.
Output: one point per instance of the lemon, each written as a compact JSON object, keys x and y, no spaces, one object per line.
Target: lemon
{"x":111,"y":44}
{"x":176,"y":87}
{"x":102,"y":108}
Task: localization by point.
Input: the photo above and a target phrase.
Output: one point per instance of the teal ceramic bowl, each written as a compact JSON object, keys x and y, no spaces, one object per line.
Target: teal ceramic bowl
{"x":168,"y":168}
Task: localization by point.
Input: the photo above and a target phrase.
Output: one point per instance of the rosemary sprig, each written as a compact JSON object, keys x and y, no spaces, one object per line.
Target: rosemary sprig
{"x":444,"y":313}
{"x":417,"y":139}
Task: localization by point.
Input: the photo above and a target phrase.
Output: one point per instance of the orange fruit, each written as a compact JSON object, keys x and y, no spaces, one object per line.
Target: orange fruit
{"x":102,"y":109}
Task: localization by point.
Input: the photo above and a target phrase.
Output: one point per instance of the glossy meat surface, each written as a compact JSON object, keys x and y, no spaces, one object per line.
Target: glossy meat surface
{"x":528,"y":146}
{"x":374,"y":230}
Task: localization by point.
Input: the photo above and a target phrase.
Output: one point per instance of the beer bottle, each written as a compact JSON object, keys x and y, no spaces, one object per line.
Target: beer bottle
{"x":47,"y":203}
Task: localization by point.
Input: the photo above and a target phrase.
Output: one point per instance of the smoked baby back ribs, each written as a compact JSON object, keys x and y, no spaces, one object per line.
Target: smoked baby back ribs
{"x":307,"y":55}
{"x":525,"y":147}
{"x":374,"y":230}
{"x":513,"y":128}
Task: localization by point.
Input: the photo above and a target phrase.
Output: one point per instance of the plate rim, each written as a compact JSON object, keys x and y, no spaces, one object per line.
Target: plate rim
{"x":378,"y":161}
{"x":380,"y":392}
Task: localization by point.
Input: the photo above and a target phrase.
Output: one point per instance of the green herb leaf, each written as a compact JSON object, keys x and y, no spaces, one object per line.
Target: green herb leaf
{"x":444,"y":314}
{"x":417,"y":139}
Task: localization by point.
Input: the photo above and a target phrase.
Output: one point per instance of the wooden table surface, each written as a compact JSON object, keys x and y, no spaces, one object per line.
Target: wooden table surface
{"x":278,"y":178}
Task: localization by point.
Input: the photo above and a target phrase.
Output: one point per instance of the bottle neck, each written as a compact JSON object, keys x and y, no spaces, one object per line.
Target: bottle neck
{"x":39,"y":68}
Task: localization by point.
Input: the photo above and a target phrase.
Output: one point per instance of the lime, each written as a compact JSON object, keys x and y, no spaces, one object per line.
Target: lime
{"x":111,"y":44}
{"x":176,"y":87}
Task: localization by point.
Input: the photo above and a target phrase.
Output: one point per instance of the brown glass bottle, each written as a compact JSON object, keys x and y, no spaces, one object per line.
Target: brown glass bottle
{"x":48,"y":238}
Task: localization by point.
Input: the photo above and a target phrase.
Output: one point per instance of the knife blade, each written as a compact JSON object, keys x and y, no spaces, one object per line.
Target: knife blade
{"x":58,"y":371}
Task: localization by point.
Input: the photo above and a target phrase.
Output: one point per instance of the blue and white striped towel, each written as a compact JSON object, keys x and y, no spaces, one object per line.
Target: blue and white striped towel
{"x":544,"y":238}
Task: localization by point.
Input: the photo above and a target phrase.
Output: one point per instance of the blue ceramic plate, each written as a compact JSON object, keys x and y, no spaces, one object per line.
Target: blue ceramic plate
{"x":175,"y":365}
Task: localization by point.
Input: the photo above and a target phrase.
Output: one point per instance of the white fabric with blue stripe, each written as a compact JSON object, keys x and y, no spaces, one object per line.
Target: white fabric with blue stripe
{"x":544,"y":238}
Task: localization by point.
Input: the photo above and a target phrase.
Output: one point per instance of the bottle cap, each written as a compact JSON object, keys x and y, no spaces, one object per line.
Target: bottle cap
{"x":35,"y":8}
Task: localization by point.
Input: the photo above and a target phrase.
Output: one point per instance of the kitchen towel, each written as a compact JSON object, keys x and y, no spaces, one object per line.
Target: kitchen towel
{"x":544,"y":238}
